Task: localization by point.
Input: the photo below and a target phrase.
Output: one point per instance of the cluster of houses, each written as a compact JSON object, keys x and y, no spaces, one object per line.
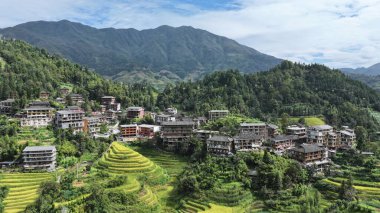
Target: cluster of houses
{"x":309,"y":145}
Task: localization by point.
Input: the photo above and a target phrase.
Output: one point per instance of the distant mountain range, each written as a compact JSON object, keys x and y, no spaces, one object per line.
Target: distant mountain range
{"x":371,"y":71}
{"x":161,"y":55}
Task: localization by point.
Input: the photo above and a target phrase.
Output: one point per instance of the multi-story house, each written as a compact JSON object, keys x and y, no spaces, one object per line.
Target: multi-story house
{"x":216,"y":114}
{"x":318,"y":134}
{"x":6,"y":106}
{"x":171,"y":111}
{"x":203,"y":135}
{"x":272,"y":130}
{"x":129,"y":131}
{"x":39,"y":158}
{"x":296,"y":130}
{"x":333,"y":140}
{"x":175,"y":133}
{"x":110,"y":103}
{"x":91,"y":125}
{"x":135,"y":112}
{"x":311,"y":155}
{"x":76,"y":99}
{"x":219,"y":145}
{"x":255,"y":128}
{"x":37,"y":116}
{"x":282,"y":143}
{"x":248,"y":142}
{"x":60,"y":100}
{"x":110,"y":115}
{"x":148,"y":131}
{"x":347,"y":137}
{"x":164,"y":118}
{"x":44,"y":95}
{"x":69,"y":119}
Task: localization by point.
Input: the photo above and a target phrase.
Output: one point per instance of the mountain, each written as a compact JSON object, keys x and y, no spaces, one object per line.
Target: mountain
{"x":25,"y":71}
{"x":295,"y":89}
{"x":185,"y":52}
{"x":371,"y":71}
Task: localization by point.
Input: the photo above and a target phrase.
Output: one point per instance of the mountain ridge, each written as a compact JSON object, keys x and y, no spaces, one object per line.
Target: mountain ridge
{"x":369,"y":71}
{"x":185,"y":51}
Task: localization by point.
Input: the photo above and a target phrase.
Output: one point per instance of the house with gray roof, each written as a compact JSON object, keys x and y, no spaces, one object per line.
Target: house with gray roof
{"x":39,"y":158}
{"x":220,"y":145}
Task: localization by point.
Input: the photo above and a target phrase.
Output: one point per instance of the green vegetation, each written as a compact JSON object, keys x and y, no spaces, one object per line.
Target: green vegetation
{"x":183,"y":52}
{"x":308,"y":121}
{"x":295,"y":89}
{"x":40,"y":71}
{"x":23,"y":189}
{"x":229,"y":124}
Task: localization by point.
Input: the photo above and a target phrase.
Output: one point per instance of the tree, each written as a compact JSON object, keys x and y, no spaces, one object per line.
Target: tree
{"x":347,"y":191}
{"x":284,"y":121}
{"x":361,"y":137}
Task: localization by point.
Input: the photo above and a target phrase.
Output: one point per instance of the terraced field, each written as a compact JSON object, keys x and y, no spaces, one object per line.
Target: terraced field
{"x":172,"y":163}
{"x":121,"y":160}
{"x":368,"y":192}
{"x":191,"y":205}
{"x":230,"y":194}
{"x":35,"y":137}
{"x":23,"y":189}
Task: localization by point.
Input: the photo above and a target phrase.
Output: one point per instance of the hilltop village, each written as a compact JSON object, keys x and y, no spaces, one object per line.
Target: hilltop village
{"x":171,"y":131}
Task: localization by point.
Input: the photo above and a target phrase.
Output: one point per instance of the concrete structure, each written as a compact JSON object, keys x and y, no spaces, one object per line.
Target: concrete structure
{"x":110,"y":103}
{"x":135,"y":112}
{"x":333,"y":140}
{"x":311,"y":155}
{"x":164,"y":118}
{"x":130,"y":131}
{"x":148,"y":131}
{"x":76,"y":99}
{"x":296,"y":130}
{"x":110,"y":115}
{"x":91,"y":125}
{"x":219,"y":145}
{"x":37,"y":116}
{"x":281,"y":143}
{"x":39,"y":158}
{"x":248,"y":142}
{"x":255,"y":128}
{"x":318,"y":134}
{"x":171,"y":111}
{"x":347,"y":137}
{"x":175,"y":133}
{"x":272,"y":130}
{"x":61,"y":100}
{"x":6,"y":106}
{"x":203,"y":135}
{"x":216,"y":114}
{"x":69,"y":119}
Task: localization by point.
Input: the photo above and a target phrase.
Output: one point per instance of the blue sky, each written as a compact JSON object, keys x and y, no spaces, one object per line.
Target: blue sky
{"x":334,"y":32}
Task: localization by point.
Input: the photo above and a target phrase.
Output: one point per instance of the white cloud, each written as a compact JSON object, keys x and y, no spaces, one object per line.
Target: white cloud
{"x":334,"y":32}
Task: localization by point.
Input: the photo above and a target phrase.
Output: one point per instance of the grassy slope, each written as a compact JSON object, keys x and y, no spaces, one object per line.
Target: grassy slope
{"x":310,"y":121}
{"x":35,"y":137}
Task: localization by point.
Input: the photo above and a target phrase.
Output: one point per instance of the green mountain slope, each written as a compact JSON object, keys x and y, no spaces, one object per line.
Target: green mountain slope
{"x":27,"y":70}
{"x":186,"y":52}
{"x":299,"y":90}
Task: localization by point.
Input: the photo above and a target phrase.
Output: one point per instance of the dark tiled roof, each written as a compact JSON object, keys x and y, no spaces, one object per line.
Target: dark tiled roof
{"x":178,"y":123}
{"x":307,"y":148}
{"x":221,"y":138}
{"x":39,"y":148}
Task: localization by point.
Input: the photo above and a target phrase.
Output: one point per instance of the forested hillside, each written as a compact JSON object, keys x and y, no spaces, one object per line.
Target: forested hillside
{"x":184,"y":52}
{"x":26,"y":70}
{"x":295,"y":89}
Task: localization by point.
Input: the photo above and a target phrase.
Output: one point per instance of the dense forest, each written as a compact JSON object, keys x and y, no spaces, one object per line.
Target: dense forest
{"x":25,"y":71}
{"x":291,"y":88}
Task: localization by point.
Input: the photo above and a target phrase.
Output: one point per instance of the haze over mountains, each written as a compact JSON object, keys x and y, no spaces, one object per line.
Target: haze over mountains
{"x":371,"y":71}
{"x":161,"y":54}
